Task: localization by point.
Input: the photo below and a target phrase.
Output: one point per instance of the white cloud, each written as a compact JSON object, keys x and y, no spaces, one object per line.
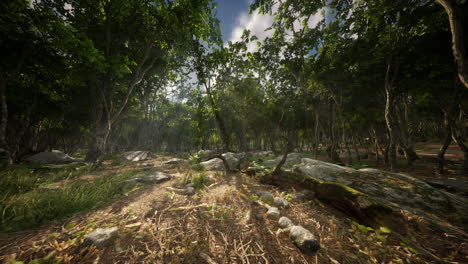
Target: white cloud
{"x":257,"y":24}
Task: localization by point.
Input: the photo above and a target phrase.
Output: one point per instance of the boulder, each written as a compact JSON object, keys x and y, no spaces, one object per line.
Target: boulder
{"x":215,"y":164}
{"x":138,"y":155}
{"x":153,"y":177}
{"x":232,"y":159}
{"x":292,"y":158}
{"x":455,"y":185}
{"x":101,"y":237}
{"x":304,"y":240}
{"x":273,"y":212}
{"x":280,"y":202}
{"x":285,"y":222}
{"x":378,"y":197}
{"x":55,"y":157}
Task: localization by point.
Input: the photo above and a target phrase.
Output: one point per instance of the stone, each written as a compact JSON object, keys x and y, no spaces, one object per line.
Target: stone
{"x":266,"y":197}
{"x":177,"y":161}
{"x":205,"y":153}
{"x":291,"y":159}
{"x":304,"y":240}
{"x":380,"y":197}
{"x":280,"y":202}
{"x":215,"y":164}
{"x":138,"y":155}
{"x":285,"y":222}
{"x":303,"y":195}
{"x":232,"y":160}
{"x":455,"y":185}
{"x":154,"y":177}
{"x":55,"y":157}
{"x":101,"y":237}
{"x":190,"y":191}
{"x":273,"y":212}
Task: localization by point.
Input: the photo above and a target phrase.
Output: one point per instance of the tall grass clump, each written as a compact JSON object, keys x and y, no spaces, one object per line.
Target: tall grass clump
{"x":26,"y":210}
{"x":19,"y":179}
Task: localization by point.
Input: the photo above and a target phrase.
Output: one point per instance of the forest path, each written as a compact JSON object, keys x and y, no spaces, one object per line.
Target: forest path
{"x":159,"y":223}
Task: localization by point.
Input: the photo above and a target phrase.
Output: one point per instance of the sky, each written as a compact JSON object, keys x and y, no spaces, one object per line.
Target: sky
{"x":229,"y":14}
{"x":234,"y":18}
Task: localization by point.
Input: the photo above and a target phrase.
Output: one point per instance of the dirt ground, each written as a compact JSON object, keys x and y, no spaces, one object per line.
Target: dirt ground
{"x":221,"y":223}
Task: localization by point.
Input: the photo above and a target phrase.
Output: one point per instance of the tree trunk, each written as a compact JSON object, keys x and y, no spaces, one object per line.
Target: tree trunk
{"x":333,"y":146}
{"x":219,"y":121}
{"x":289,"y":148}
{"x":406,"y":141}
{"x":390,"y":116}
{"x":457,"y":136}
{"x":6,"y":157}
{"x":458,"y":46}
{"x":445,"y":144}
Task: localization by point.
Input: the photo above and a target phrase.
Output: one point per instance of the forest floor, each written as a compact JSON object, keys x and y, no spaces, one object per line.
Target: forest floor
{"x":220,"y":223}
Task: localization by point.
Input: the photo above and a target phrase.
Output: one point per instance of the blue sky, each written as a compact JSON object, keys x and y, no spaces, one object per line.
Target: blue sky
{"x":229,"y":13}
{"x":234,"y":18}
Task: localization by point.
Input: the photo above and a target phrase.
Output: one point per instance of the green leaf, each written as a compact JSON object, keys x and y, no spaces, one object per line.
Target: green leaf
{"x":405,"y":240}
{"x":385,"y":230}
{"x":382,"y":238}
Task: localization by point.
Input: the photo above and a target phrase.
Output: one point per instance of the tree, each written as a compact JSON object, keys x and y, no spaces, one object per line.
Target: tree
{"x":458,"y":44}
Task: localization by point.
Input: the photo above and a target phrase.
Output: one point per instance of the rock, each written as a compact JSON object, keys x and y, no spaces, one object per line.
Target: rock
{"x":55,"y":157}
{"x":293,"y":158}
{"x":215,"y":164}
{"x":303,"y":195}
{"x":379,"y":197}
{"x":304,"y":240}
{"x":449,"y":184}
{"x":205,"y":153}
{"x":285,"y":222}
{"x":266,"y":197}
{"x":240,"y":155}
{"x":273,"y":212}
{"x":177,"y":161}
{"x":280,"y":202}
{"x":101,"y":237}
{"x":232,"y":160}
{"x":190,"y":191}
{"x":138,"y":155}
{"x":154,"y":177}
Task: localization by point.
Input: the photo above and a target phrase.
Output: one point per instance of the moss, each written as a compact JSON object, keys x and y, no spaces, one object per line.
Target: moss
{"x":340,"y":189}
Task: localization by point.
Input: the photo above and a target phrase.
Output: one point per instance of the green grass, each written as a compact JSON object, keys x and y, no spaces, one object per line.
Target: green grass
{"x":198,"y":180}
{"x":19,"y":179}
{"x":27,"y":209}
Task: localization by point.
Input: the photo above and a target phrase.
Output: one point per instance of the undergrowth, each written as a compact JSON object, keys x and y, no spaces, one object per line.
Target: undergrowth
{"x":37,"y":206}
{"x":19,"y":179}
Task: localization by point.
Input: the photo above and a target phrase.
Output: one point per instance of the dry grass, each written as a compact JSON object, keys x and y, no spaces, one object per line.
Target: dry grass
{"x":219,"y":224}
